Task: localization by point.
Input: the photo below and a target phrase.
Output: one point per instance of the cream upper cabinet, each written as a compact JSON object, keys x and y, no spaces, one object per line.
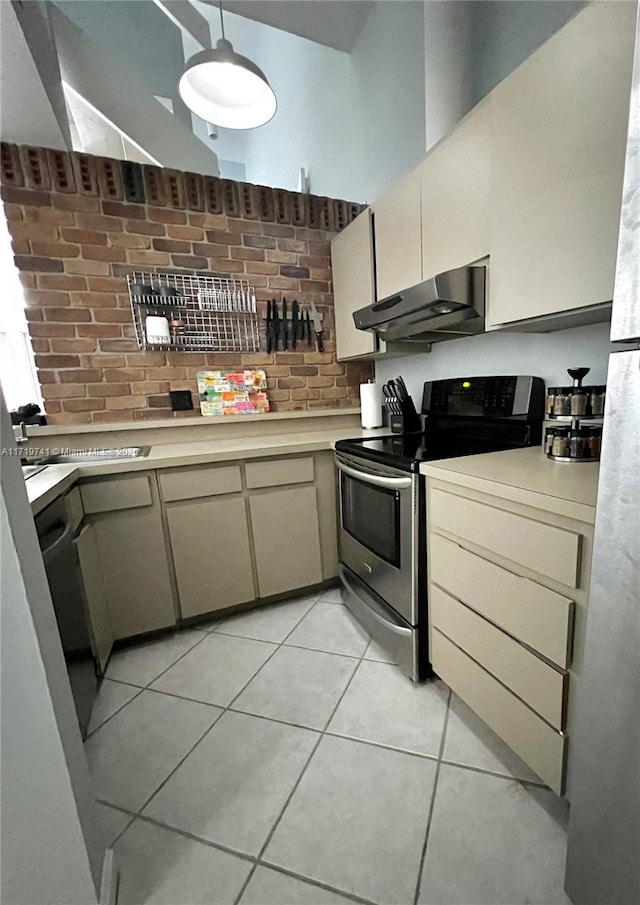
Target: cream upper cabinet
{"x":559,"y":126}
{"x":353,"y":285}
{"x":455,"y":195}
{"x":398,"y":244}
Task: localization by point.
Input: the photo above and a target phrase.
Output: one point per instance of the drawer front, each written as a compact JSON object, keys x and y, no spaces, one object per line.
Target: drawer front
{"x":121,"y":493}
{"x":530,"y":737}
{"x":553,"y":552}
{"x":279,"y":471}
{"x":527,"y":610}
{"x":194,"y":483}
{"x":539,"y":685}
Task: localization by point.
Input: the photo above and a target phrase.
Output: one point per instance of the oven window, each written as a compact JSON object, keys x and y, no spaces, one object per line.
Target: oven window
{"x":372,"y":516}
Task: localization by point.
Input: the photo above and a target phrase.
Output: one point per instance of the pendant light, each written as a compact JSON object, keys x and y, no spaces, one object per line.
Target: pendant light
{"x":225,"y":88}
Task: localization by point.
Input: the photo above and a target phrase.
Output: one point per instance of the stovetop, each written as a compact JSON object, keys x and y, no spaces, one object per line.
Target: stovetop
{"x":447,"y":439}
{"x":464,"y":416}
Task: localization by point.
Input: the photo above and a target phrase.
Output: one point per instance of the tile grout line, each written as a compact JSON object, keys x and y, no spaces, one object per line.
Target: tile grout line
{"x":227,"y":850}
{"x":353,"y":738}
{"x":299,"y":780}
{"x":205,"y":635}
{"x":111,"y":715}
{"x":223,"y":710}
{"x":259,"y":860}
{"x":423,"y":854}
{"x":119,"y":810}
{"x":143,"y":687}
{"x":317,"y":883}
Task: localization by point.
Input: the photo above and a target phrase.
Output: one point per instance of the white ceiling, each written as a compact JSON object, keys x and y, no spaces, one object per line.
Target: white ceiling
{"x":335,"y":23}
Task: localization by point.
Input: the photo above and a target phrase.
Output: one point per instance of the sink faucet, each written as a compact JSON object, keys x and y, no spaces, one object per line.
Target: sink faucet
{"x":23,"y":439}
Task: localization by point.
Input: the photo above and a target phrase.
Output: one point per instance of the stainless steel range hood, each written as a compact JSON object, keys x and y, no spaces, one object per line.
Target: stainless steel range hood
{"x":446,"y":306}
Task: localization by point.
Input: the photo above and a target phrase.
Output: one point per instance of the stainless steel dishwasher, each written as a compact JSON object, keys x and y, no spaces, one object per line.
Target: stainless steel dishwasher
{"x":58,"y":526}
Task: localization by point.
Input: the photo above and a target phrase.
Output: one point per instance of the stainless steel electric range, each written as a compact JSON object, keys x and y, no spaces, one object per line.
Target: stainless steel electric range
{"x":383,"y":553}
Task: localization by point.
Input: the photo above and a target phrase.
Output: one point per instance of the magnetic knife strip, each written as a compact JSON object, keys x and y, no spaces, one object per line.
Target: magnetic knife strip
{"x":289,"y":331}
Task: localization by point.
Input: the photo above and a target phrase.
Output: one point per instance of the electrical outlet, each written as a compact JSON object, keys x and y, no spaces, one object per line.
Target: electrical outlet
{"x":181,"y":400}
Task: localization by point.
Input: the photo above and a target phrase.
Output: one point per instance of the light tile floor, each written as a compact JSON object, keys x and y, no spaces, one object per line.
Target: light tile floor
{"x":278,"y":758}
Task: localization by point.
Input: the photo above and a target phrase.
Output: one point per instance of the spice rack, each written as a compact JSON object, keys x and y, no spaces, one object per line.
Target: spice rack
{"x":574,"y":405}
{"x":204,"y":314}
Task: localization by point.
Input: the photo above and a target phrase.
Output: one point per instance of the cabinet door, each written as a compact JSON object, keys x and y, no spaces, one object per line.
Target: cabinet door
{"x":95,"y":597}
{"x":455,"y":196}
{"x":286,"y":539}
{"x":353,"y":285}
{"x":211,"y":554}
{"x":133,"y":555}
{"x":398,"y":243}
{"x":559,"y":133}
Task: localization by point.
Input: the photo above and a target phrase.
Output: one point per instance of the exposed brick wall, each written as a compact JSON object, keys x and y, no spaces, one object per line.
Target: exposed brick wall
{"x":75,"y":239}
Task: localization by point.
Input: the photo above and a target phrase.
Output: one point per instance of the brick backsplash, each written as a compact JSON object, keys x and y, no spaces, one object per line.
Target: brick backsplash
{"x":75,"y":239}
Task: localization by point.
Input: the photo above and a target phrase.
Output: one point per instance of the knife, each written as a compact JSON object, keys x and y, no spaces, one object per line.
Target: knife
{"x":285,"y":331}
{"x":317,"y":323}
{"x":275,"y":326}
{"x":295,"y":323}
{"x":402,"y":389}
{"x":269,"y":330}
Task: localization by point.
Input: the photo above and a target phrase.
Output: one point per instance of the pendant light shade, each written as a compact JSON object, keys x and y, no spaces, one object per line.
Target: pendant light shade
{"x":225,"y":88}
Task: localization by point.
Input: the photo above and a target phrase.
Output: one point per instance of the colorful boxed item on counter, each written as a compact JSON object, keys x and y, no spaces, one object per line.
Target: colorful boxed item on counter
{"x":233,"y":392}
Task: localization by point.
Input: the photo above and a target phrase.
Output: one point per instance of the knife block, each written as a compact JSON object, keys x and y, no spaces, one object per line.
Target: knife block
{"x":408,"y":421}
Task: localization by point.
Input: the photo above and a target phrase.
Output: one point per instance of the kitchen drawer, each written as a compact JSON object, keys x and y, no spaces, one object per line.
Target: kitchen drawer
{"x":539,"y":685}
{"x":194,"y":483}
{"x":272,"y":472}
{"x":530,"y":737}
{"x":553,"y":552}
{"x":527,"y":610}
{"x":121,"y":493}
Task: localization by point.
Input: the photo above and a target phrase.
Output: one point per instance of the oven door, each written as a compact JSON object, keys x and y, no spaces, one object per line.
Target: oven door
{"x":377,"y":530}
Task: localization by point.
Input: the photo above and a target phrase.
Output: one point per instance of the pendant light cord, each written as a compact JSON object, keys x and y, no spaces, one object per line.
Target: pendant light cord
{"x":221,"y":19}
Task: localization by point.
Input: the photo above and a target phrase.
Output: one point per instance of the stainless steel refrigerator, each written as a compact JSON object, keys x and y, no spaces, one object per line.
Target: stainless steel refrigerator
{"x":603,"y":860}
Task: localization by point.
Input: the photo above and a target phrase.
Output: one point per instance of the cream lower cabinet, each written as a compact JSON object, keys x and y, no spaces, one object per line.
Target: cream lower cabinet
{"x":286,"y":539}
{"x":209,"y":537}
{"x":126,"y":517}
{"x":211,"y":554}
{"x":251,"y":530}
{"x":508,"y":586}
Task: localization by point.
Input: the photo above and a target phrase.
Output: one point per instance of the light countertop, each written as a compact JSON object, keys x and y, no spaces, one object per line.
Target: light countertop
{"x":48,"y":484}
{"x":525,"y":476}
{"x":183,"y":422}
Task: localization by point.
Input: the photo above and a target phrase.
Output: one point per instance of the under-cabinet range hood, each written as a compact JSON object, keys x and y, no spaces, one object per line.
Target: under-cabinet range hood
{"x":446,"y":306}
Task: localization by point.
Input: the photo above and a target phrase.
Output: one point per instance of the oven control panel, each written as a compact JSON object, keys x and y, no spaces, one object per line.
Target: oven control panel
{"x":499,"y":397}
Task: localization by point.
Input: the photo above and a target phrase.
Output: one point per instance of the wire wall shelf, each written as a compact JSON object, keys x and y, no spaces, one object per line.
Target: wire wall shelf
{"x":186,"y":313}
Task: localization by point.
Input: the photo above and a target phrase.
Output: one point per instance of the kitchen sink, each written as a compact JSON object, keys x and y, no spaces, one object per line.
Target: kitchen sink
{"x":98,"y":455}
{"x":29,"y":471}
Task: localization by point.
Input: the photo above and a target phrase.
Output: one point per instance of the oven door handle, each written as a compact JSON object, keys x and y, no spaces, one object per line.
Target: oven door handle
{"x":377,"y":480}
{"x":374,"y":609}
